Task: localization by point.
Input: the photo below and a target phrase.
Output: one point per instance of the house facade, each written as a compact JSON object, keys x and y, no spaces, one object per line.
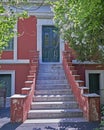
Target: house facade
{"x":38,"y":33}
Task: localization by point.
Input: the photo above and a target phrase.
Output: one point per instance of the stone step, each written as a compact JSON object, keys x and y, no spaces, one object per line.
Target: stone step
{"x":59,"y":113}
{"x":45,"y":77}
{"x":53,"y":98}
{"x":74,"y":72}
{"x":42,"y":74}
{"x":56,"y":120}
{"x":54,"y":105}
{"x":72,"y":67}
{"x":62,"y":85}
{"x":50,"y":66}
{"x":57,"y":91}
{"x":51,"y":86}
{"x":51,"y":81}
{"x":80,"y":82}
{"x":77,"y":77}
{"x":50,"y":70}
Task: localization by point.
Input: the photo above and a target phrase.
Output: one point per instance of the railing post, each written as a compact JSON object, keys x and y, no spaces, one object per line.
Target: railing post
{"x":17,"y":108}
{"x":92,"y":105}
{"x":89,"y":103}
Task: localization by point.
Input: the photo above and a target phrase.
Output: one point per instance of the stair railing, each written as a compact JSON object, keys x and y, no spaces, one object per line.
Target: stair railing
{"x":89,"y":103}
{"x":21,"y":103}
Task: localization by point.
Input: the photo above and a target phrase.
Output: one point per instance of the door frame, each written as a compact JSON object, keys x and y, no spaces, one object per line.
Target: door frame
{"x":94,"y":82}
{"x":43,"y":43}
{"x":101,"y":78}
{"x":46,"y":22}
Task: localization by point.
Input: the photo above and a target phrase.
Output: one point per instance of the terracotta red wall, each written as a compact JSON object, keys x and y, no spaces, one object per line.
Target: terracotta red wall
{"x":82,"y":67}
{"x":27,"y":39}
{"x":7,"y":55}
{"x":72,"y":52}
{"x":26,"y":43}
{"x":21,"y":71}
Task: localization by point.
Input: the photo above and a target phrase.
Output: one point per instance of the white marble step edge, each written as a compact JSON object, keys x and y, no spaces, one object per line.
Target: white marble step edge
{"x":57,"y":91}
{"x":59,"y":120}
{"x":55,"y":111}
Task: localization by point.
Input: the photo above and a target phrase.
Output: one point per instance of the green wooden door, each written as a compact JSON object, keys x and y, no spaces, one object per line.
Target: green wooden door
{"x":94,"y":83}
{"x":6,"y":79}
{"x":50,"y":44}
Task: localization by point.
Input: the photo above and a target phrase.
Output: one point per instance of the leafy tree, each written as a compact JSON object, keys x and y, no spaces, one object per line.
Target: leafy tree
{"x":10,"y":12}
{"x":8,"y":18}
{"x":81,"y":23}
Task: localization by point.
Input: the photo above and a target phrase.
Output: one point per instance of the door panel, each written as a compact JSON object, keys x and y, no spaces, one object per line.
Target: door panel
{"x":50,"y":44}
{"x":94,"y":83}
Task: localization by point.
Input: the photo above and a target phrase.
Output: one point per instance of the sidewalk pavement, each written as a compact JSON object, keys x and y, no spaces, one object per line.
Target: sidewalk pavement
{"x":5,"y":124}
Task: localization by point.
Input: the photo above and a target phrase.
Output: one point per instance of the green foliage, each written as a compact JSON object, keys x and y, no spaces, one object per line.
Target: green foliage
{"x":102,"y":122}
{"x":101,"y":127}
{"x":81,"y":23}
{"x":8,"y":19}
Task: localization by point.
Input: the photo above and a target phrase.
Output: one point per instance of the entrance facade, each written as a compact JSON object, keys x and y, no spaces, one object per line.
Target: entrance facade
{"x":50,"y":44}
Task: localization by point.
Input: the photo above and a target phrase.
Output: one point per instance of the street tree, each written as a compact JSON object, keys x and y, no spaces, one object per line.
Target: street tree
{"x":8,"y":19}
{"x":81,"y":24}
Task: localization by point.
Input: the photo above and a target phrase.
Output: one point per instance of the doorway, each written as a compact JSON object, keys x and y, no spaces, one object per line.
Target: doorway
{"x":50,"y":44}
{"x":94,"y":83}
{"x":6,"y":79}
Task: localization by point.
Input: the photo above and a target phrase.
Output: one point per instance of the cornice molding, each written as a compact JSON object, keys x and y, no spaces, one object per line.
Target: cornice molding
{"x":42,"y":15}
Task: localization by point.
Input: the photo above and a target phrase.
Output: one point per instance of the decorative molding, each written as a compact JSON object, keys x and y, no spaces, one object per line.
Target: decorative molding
{"x":85,"y":62}
{"x":42,"y":15}
{"x":47,"y":22}
{"x":14,"y":61}
{"x":15,"y":45}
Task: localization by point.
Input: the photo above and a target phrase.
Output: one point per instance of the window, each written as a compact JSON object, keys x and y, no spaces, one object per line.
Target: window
{"x":10,"y":45}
